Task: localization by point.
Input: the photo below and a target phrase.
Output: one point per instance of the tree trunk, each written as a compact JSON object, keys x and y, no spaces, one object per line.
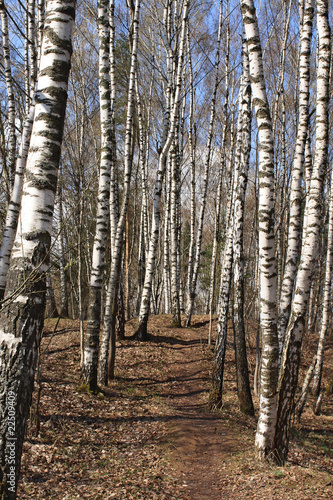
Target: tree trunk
{"x":61,"y":252}
{"x":242,"y":370}
{"x":296,"y":192}
{"x":264,"y":441}
{"x":23,"y":312}
{"x":91,"y":343}
{"x":10,"y":163}
{"x":209,"y":146}
{"x":174,"y":228}
{"x":118,"y":240}
{"x":151,"y":258}
{"x":326,"y":302}
{"x":15,"y":202}
{"x":293,"y":338}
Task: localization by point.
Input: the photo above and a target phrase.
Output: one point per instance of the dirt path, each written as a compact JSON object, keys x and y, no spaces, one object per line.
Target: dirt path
{"x":149,"y":436}
{"x":199,"y":440}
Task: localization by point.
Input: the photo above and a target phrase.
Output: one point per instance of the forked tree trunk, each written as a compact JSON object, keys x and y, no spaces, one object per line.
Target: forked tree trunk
{"x":23,"y":312}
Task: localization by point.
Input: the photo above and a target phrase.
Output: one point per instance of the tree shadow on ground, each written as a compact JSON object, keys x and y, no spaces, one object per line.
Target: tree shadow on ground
{"x":164,"y":339}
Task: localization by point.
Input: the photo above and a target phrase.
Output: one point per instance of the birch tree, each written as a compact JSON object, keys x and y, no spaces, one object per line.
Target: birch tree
{"x":317,"y":375}
{"x":120,"y":227}
{"x":192,"y":281}
{"x":91,"y":343}
{"x":15,"y":202}
{"x":223,"y":308}
{"x":243,"y":382}
{"x":293,"y":338}
{"x":236,"y":194}
{"x":10,"y":161}
{"x":296,"y":192}
{"x":155,"y":224}
{"x":314,"y":371}
{"x":23,"y":312}
{"x":264,"y":441}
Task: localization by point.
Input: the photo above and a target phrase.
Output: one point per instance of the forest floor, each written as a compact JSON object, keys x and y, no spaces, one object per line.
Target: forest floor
{"x":149,"y":435}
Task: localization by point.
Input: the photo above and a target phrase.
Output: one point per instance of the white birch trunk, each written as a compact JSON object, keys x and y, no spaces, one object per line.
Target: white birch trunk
{"x":294,"y":332}
{"x":10,"y":167}
{"x":174,"y":227}
{"x":23,"y":311}
{"x":326,"y":303}
{"x":192,"y":144}
{"x":305,"y":389}
{"x":32,"y":48}
{"x":117,"y":245}
{"x":61,"y":253}
{"x":91,"y":343}
{"x":143,"y":159}
{"x":215,"y":398}
{"x":15,"y":202}
{"x":226,"y":276}
{"x":296,"y":193}
{"x":40,"y":26}
{"x":191,"y":292}
{"x":147,"y":289}
{"x":114,"y":195}
{"x":264,"y":440}
{"x":166,"y":245}
{"x":242,"y":371}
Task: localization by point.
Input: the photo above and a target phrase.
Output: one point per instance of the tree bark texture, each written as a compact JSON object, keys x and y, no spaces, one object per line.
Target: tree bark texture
{"x":91,"y":343}
{"x":296,"y":193}
{"x":293,"y":339}
{"x":242,"y":370}
{"x":118,"y":240}
{"x":264,"y":441}
{"x":23,"y":311}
